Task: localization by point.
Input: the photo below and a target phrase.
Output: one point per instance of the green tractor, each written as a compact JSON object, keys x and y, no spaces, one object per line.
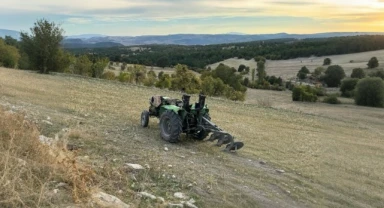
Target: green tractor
{"x":179,"y":116}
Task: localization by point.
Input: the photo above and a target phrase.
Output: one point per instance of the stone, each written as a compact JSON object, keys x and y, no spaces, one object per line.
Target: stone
{"x":147,"y":195}
{"x":170,"y":166}
{"x":135,"y":166}
{"x":147,"y":166}
{"x":179,"y":195}
{"x":105,"y":200}
{"x":190,"y":185}
{"x":61,"y":184}
{"x":55,"y":191}
{"x":173,"y":176}
{"x":263,"y":162}
{"x":175,"y":205}
{"x":48,"y":122}
{"x":190,"y":205}
{"x":280,"y":171}
{"x":166,"y":149}
{"x":161,"y":199}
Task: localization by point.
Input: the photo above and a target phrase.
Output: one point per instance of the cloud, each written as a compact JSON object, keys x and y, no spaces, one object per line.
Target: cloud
{"x":79,"y":20}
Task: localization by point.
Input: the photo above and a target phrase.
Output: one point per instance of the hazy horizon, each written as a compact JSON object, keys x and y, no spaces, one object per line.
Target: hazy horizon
{"x":163,"y":17}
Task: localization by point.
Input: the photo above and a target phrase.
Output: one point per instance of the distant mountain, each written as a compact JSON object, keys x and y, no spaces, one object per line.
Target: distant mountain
{"x":98,"y":40}
{"x":84,"y":36}
{"x":12,"y":33}
{"x":208,"y":39}
{"x":80,"y":43}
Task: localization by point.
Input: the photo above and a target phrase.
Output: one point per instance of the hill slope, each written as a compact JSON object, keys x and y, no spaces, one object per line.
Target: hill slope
{"x":328,"y":162}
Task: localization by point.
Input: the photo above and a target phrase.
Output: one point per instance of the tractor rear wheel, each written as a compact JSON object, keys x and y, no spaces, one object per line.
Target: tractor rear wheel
{"x":170,"y":126}
{"x":144,"y":118}
{"x":201,"y":135}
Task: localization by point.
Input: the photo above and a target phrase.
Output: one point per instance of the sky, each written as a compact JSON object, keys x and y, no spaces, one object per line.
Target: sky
{"x":161,"y":17}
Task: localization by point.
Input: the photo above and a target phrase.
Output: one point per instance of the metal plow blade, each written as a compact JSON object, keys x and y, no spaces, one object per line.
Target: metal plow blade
{"x":225,"y":138}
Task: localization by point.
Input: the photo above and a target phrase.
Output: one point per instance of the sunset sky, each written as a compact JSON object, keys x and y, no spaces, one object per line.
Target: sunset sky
{"x":159,"y":17}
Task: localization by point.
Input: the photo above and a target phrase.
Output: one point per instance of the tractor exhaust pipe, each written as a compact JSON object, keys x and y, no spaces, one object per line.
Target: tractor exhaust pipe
{"x":186,"y":99}
{"x":201,"y":101}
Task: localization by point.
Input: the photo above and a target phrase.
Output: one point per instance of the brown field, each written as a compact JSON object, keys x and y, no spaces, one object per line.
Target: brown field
{"x":289,"y":68}
{"x":333,"y":156}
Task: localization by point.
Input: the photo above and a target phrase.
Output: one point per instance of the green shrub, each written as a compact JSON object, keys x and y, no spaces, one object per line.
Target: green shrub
{"x":358,"y":73}
{"x":373,"y":63}
{"x":302,"y":74}
{"x":378,"y":73}
{"x":304,"y":94}
{"x":370,"y":92}
{"x":108,"y":75}
{"x":331,"y":99}
{"x":348,"y":86}
{"x":333,"y":75}
{"x":327,"y":61}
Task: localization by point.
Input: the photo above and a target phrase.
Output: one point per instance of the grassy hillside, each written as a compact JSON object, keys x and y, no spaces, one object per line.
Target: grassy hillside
{"x":289,"y":68}
{"x":333,"y":159}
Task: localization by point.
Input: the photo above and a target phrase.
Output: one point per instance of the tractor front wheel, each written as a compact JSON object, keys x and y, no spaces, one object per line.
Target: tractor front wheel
{"x":170,"y":126}
{"x":144,"y":118}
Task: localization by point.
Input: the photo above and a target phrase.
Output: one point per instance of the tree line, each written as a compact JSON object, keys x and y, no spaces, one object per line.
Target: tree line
{"x":198,"y":57}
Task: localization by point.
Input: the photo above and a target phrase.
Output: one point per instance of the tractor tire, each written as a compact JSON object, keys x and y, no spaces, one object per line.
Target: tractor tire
{"x":170,"y":126}
{"x":201,"y":135}
{"x":144,"y":118}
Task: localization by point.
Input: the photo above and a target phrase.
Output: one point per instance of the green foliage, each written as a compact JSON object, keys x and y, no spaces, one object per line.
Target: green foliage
{"x":229,"y":77}
{"x":162,"y":62}
{"x":108,"y":75}
{"x":83,"y":66}
{"x":11,"y":41}
{"x":235,"y":95}
{"x":9,"y":55}
{"x":333,"y":75}
{"x":302,"y":74}
{"x":358,"y":73}
{"x":23,"y":61}
{"x":327,"y":61}
{"x":201,"y":56}
{"x":152,"y":74}
{"x":331,"y":99}
{"x":150,"y":81}
{"x":185,"y":80}
{"x":98,"y":66}
{"x":253,"y":74}
{"x":373,"y":63}
{"x":246,"y":81}
{"x":260,"y":58}
{"x":160,"y":75}
{"x":123,"y":66}
{"x":370,"y":92}
{"x":241,"y":68}
{"x":261,"y":74}
{"x":304,"y":94}
{"x":318,"y":72}
{"x":378,"y":73}
{"x":213,"y":86}
{"x":42,"y":46}
{"x":164,"y":82}
{"x":125,"y":77}
{"x":348,"y":86}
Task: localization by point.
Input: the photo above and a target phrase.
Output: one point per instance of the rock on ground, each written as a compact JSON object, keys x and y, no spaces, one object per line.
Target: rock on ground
{"x":104,"y":200}
{"x":135,"y":166}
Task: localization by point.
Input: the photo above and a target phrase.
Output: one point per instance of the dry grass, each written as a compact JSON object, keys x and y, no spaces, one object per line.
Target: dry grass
{"x":29,"y":170}
{"x":289,"y":68}
{"x":333,"y":155}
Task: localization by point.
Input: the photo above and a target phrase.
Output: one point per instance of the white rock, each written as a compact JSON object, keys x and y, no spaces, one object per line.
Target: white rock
{"x":173,"y":176}
{"x":48,"y":122}
{"x":192,"y":201}
{"x":55,"y":191}
{"x":105,"y":200}
{"x":45,"y":140}
{"x":190,"y":205}
{"x":161,"y":199}
{"x":280,"y":171}
{"x":179,"y":195}
{"x":135,"y":166}
{"x":190,"y":185}
{"x":166,"y":149}
{"x":175,"y":206}
{"x":147,"y":195}
{"x":147,"y":166}
{"x":170,"y":166}
{"x":61,"y":184}
{"x":120,"y":192}
{"x":48,"y":118}
{"x":115,"y":160}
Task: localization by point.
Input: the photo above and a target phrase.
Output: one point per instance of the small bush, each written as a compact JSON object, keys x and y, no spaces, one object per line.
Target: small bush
{"x":108,"y":75}
{"x":302,"y":74}
{"x":332,"y":99}
{"x":358,"y":73}
{"x":304,"y":94}
{"x":327,"y":62}
{"x":348,"y":86}
{"x":333,"y":75}
{"x":378,"y":73}
{"x":370,"y":92}
{"x":373,"y":63}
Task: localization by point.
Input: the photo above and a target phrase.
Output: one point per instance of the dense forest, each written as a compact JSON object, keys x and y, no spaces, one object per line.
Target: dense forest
{"x":200,"y":56}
